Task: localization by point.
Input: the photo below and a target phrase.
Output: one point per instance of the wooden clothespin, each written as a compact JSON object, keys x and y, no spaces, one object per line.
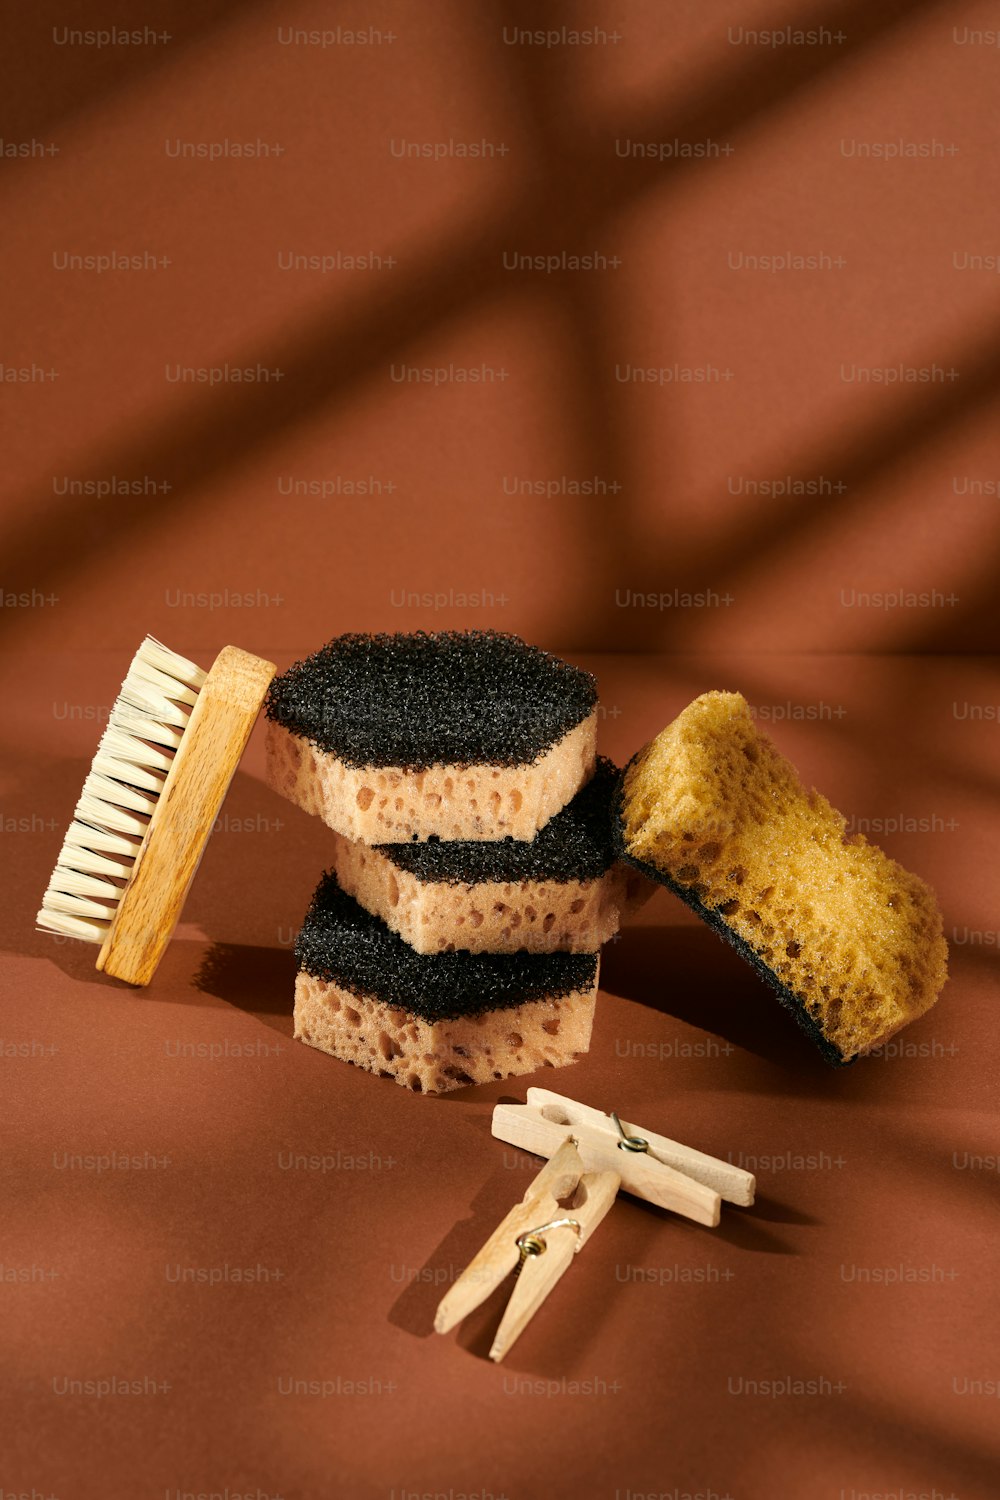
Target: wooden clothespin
{"x":591,"y":1155}
{"x":538,"y":1239}
{"x":651,"y":1167}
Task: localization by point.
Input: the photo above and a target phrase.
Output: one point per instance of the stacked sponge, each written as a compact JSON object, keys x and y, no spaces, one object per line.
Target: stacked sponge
{"x":455,"y":939}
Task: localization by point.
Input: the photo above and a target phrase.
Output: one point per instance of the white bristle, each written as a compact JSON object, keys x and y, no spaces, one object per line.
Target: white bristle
{"x":89,"y":809}
{"x":74,"y":856}
{"x":106,"y":789}
{"x":139,"y":701}
{"x":114,"y":741}
{"x":132,"y":775}
{"x":79,"y":906}
{"x":162,"y":659}
{"x":160,"y":683}
{"x":138,"y":724}
{"x":119,"y":795}
{"x":85,"y":836}
{"x":71,"y":882}
{"x":74,"y":927}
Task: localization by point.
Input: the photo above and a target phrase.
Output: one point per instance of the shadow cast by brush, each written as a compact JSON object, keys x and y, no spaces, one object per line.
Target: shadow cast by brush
{"x":260,"y":981}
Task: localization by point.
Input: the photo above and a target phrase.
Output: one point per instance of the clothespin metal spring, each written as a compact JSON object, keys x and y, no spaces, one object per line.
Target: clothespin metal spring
{"x":531,"y":1242}
{"x":629,"y":1142}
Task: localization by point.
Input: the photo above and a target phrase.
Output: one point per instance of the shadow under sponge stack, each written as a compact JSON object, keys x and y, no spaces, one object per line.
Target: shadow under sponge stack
{"x":472,"y":822}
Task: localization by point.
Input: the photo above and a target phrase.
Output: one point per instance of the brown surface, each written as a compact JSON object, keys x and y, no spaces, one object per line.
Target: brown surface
{"x":688,"y":498}
{"x":685,"y":1041}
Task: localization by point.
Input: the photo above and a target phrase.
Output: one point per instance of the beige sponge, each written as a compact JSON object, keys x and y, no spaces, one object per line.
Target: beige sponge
{"x":437,"y":1021}
{"x":851,"y":941}
{"x":389,"y":804}
{"x":433,"y":1057}
{"x":531,"y":916}
{"x":563,"y":890}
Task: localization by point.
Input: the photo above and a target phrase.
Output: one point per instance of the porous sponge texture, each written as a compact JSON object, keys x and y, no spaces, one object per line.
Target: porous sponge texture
{"x":844,"y":932}
{"x":563,"y":890}
{"x":499,"y":916}
{"x":576,"y":844}
{"x":343,"y":944}
{"x":380,"y":805}
{"x":434,"y":1057}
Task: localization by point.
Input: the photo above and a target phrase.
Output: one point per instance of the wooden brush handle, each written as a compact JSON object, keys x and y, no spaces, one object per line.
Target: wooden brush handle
{"x":210,"y":749}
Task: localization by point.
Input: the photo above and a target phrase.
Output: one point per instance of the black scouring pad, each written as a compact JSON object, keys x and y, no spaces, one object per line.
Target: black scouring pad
{"x":713,"y":918}
{"x":343,"y":944}
{"x":460,"y":698}
{"x":574,"y":845}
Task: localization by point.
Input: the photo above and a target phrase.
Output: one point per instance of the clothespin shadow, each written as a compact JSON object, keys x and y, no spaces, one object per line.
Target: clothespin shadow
{"x":590,"y":1156}
{"x":414,"y":1308}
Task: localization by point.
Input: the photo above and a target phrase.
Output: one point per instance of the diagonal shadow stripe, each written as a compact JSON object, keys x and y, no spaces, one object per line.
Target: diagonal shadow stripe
{"x":860,"y":458}
{"x":329,"y":355}
{"x":615,"y":536}
{"x":34,"y":106}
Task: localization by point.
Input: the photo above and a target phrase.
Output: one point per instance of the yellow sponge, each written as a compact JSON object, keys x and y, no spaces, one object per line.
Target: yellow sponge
{"x":851,"y":941}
